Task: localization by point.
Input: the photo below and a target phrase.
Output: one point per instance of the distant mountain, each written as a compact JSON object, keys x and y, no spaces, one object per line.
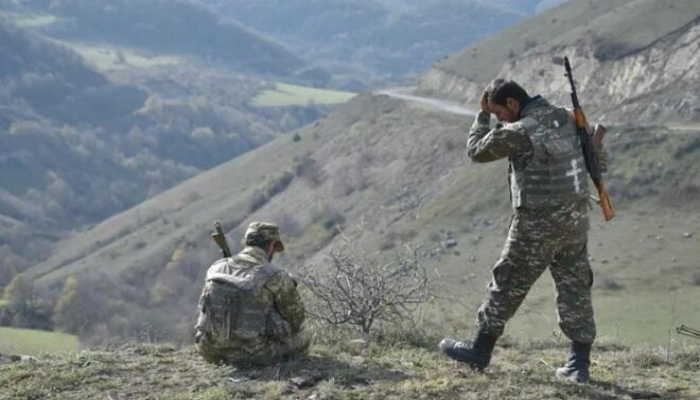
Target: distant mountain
{"x":633,"y":59}
{"x":373,"y":39}
{"x":166,"y":26}
{"x":56,"y":82}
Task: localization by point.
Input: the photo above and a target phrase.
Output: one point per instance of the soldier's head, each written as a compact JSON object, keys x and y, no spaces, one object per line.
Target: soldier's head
{"x":266,"y":236}
{"x":506,"y":98}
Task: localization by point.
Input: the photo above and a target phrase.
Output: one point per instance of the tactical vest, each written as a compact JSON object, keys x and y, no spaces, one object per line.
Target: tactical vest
{"x":556,"y":173}
{"x":237,"y":311}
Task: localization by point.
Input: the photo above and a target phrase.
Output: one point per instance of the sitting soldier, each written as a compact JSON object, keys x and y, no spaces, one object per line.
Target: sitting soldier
{"x":250,"y":310}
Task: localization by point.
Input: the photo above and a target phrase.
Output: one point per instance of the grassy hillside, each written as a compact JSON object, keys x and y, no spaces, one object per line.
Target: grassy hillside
{"x":621,"y":27}
{"x":382,"y":173}
{"x":345,"y":371}
{"x":27,"y":19}
{"x":36,"y":343}
{"x":283,"y":95}
{"x":110,"y":58}
{"x":632,"y":59}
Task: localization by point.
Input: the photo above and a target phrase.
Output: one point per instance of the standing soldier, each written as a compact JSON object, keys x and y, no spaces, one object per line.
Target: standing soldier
{"x":549,"y":227}
{"x":250,"y":310}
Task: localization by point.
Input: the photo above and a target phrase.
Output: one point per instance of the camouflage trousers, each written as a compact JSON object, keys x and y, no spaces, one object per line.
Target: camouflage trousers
{"x":259,"y":352}
{"x":554,"y":238}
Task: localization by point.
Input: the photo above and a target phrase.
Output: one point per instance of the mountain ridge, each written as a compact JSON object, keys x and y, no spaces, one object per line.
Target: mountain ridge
{"x":627,"y":73}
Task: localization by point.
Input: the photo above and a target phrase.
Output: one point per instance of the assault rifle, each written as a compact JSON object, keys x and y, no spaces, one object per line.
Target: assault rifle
{"x":688,"y":331}
{"x":589,"y":151}
{"x":220,"y":238}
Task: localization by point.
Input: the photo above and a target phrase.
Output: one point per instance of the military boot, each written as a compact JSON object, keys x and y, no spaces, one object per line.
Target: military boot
{"x":576,"y":368}
{"x":476,"y":354}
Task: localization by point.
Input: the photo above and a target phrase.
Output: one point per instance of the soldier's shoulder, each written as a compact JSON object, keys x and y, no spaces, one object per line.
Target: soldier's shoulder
{"x":523,"y":126}
{"x":279,"y":279}
{"x":220,"y":266}
{"x":272,"y":269}
{"x":551,"y":116}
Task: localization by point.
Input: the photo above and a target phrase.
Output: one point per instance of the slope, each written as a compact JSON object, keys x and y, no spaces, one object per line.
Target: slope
{"x":380,"y":173}
{"x":167,"y":27}
{"x":632,"y":59}
{"x":79,"y":145}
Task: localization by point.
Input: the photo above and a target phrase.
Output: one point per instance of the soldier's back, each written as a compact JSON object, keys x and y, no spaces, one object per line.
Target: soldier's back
{"x":239,"y":319}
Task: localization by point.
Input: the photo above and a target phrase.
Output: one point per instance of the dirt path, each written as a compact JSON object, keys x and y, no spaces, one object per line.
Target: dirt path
{"x":438,"y":104}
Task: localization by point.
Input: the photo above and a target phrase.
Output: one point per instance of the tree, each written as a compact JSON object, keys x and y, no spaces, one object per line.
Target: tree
{"x":7,"y":272}
{"x":69,"y":313}
{"x":360,"y":290}
{"x":23,"y":309}
{"x":19,"y":294}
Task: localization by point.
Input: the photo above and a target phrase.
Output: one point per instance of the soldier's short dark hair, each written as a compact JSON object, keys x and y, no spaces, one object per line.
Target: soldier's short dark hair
{"x":257,"y":240}
{"x":500,"y":89}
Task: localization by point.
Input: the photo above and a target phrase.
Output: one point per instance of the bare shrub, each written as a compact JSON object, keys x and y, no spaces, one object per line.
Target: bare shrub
{"x":356,"y":289}
{"x":309,"y":170}
{"x":257,"y":201}
{"x":333,"y":220}
{"x":274,"y":186}
{"x":278,"y":183}
{"x":695,"y":279}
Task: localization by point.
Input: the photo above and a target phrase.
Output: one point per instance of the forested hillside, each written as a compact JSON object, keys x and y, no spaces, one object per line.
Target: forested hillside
{"x":79,"y":146}
{"x":360,"y":40}
{"x":160,"y":26}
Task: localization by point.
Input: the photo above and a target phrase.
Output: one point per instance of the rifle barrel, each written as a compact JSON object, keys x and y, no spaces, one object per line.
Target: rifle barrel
{"x":688,"y":331}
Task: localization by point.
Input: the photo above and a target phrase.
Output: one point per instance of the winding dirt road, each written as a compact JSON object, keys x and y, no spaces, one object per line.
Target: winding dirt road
{"x":438,"y":104}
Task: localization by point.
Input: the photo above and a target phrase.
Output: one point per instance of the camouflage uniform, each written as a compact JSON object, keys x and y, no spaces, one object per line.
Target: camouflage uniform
{"x":249,"y":310}
{"x":549,"y":228}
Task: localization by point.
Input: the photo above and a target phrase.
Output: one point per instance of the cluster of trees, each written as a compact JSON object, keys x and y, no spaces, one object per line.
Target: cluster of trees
{"x":22,"y":307}
{"x":96,"y":307}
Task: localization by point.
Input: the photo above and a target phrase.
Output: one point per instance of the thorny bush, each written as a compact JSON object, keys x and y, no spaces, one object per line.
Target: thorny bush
{"x":353,"y":288}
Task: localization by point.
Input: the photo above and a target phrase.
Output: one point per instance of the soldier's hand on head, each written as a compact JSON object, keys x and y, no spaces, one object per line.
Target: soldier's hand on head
{"x":485,"y":102}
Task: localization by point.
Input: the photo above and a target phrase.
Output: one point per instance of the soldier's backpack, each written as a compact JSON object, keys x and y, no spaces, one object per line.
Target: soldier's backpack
{"x":235,"y":309}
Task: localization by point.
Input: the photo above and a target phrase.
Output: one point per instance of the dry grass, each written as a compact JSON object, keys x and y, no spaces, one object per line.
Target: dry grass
{"x":379,"y":370}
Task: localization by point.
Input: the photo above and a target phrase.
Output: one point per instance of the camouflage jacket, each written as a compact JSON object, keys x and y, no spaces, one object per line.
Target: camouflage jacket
{"x":546,"y":161}
{"x":250,"y":268}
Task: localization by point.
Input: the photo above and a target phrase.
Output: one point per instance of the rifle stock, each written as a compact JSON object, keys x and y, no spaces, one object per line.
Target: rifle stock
{"x":598,"y":135}
{"x":605,"y":203}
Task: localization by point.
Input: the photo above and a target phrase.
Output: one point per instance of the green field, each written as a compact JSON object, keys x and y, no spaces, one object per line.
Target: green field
{"x":29,"y":20}
{"x":31,"y":342}
{"x":283,"y":95}
{"x":111,"y":58}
